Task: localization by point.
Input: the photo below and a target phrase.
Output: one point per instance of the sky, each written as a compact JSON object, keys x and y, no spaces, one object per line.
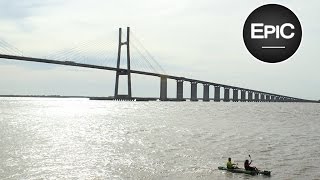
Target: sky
{"x":195,"y":39}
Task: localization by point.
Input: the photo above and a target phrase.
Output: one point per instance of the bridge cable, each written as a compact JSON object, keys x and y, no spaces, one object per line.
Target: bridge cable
{"x":8,"y":49}
{"x":149,"y":64}
{"x":13,"y":48}
{"x":148,"y":53}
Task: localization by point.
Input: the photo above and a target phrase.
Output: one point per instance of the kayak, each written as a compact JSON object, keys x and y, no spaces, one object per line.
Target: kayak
{"x":241,"y":170}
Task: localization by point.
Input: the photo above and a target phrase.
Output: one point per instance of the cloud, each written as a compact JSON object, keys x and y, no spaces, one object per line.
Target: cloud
{"x":18,"y":10}
{"x":16,"y":13}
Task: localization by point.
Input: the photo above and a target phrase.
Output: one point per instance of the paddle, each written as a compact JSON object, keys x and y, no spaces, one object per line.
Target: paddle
{"x":251,"y":162}
{"x":250,"y":159}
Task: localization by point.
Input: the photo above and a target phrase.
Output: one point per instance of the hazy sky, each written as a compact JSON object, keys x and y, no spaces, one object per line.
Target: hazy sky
{"x":199,"y":39}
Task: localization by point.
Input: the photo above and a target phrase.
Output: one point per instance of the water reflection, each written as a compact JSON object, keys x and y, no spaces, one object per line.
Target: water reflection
{"x":77,"y":138}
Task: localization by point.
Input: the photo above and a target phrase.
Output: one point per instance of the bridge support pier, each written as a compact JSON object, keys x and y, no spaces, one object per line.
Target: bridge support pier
{"x":180,"y":90}
{"x":206,"y":97}
{"x":277,"y":98}
{"x":281,"y":99}
{"x":226,"y":94}
{"x":235,"y":95}
{"x":272,"y":98}
{"x":256,"y":97}
{"x":217,"y":93}
{"x":243,"y":96}
{"x":163,"y":89}
{"x":249,"y":96}
{"x":262,"y":97}
{"x":268,"y":98}
{"x":194,"y":86}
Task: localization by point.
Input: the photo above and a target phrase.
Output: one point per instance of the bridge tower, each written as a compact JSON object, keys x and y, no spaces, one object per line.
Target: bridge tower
{"x":126,"y":72}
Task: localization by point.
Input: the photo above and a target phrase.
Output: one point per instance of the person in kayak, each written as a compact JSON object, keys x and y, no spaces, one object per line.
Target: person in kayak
{"x":231,"y":165}
{"x":248,"y":167}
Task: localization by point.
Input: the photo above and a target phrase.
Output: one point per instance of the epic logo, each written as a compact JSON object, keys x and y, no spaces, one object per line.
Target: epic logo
{"x":272,"y":33}
{"x":269,"y":29}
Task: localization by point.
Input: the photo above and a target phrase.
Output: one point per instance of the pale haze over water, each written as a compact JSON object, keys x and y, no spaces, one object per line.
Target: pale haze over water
{"x":42,"y":138}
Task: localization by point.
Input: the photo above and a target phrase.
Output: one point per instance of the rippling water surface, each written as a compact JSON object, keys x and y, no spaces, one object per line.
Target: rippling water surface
{"x":78,"y":138}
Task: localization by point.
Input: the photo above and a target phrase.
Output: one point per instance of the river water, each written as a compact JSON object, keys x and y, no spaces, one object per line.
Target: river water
{"x":47,"y":138}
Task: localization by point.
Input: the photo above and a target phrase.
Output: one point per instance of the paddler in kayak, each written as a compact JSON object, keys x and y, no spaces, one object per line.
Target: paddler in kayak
{"x":248,"y":167}
{"x":231,"y":165}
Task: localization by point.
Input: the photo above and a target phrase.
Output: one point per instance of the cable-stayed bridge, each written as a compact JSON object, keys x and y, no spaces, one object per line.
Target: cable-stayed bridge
{"x":143,"y":64}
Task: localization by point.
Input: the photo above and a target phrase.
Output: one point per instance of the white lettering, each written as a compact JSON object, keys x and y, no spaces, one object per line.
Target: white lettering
{"x":267,"y":30}
{"x":254,"y":31}
{"x":282,"y":30}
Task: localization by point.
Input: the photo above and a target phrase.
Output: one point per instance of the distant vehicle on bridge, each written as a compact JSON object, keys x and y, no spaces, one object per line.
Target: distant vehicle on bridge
{"x":70,"y":62}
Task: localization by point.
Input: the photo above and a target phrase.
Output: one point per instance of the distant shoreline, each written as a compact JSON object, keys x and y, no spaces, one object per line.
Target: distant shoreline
{"x":45,"y":96}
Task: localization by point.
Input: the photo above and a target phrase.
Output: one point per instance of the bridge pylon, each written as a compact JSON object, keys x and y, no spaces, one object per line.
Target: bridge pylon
{"x":126,"y":72}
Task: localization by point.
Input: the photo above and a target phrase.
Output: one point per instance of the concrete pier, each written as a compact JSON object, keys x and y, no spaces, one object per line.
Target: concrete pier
{"x":217,"y":93}
{"x":262,"y":98}
{"x":226,"y":94}
{"x":249,"y":96}
{"x":235,"y":96}
{"x":194,"y":91}
{"x":206,"y":92}
{"x":272,"y":98}
{"x":277,"y":99}
{"x":256,"y":97}
{"x":268,"y":99}
{"x":243,"y":95}
{"x":180,"y":90}
{"x":163,"y":89}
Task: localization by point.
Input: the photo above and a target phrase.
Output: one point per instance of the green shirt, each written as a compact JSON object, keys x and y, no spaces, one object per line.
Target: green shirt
{"x":229,"y":165}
